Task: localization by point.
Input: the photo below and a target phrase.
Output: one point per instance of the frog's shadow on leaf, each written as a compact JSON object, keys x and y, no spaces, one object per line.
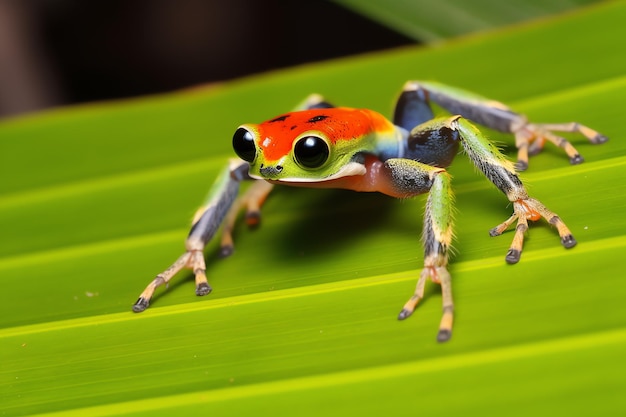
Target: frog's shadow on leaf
{"x":327,"y":220}
{"x":336,"y":219}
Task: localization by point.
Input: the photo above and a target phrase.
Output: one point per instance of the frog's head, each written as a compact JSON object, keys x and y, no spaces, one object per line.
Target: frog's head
{"x":307,"y":146}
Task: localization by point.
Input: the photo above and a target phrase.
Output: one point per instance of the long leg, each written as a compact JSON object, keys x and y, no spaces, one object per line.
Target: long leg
{"x":413,"y":109}
{"x":411,"y":178}
{"x":254,"y":197}
{"x":436,"y":237}
{"x":401,"y":178}
{"x":207,"y":221}
{"x":221,"y":208}
{"x":252,"y":200}
{"x":529,"y":137}
{"x":501,"y":172}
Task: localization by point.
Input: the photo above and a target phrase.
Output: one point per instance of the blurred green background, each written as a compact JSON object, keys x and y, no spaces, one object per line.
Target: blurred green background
{"x":95,"y":200}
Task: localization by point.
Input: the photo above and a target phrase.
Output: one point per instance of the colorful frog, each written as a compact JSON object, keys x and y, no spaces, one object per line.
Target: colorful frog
{"x":322,"y":146}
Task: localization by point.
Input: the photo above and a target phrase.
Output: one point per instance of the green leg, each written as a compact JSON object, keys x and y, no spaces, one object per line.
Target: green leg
{"x":220,"y":208}
{"x":436,"y":238}
{"x":501,"y":172}
{"x":206,"y":222}
{"x":409,"y":178}
{"x":529,"y":137}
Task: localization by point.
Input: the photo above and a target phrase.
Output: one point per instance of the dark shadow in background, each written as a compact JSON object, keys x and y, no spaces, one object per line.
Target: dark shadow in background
{"x":56,"y":52}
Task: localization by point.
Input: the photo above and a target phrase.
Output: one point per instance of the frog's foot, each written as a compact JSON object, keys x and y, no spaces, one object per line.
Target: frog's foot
{"x":530,"y":209}
{"x":441,"y":276}
{"x":194,"y":260}
{"x":531,"y":138}
{"x":252,"y":200}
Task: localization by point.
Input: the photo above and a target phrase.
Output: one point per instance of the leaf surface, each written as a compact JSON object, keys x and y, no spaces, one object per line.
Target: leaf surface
{"x":93,"y":203}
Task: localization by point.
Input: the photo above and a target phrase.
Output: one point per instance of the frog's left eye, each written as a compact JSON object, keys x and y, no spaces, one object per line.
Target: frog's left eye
{"x":311,"y":151}
{"x":243,"y":144}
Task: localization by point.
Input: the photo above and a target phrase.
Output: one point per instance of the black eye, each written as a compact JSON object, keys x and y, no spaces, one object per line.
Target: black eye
{"x":243,"y":144}
{"x":311,"y":152}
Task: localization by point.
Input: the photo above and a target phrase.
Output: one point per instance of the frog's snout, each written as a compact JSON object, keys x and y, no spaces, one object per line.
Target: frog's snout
{"x":270,"y":171}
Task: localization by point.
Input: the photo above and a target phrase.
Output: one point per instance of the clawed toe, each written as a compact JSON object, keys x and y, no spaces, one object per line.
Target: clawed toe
{"x":405,"y":313}
{"x":521,"y":165}
{"x":513,"y":256}
{"x":140,"y":305}
{"x":598,"y":139}
{"x":203,"y":289}
{"x":226,"y":250}
{"x":568,"y":241}
{"x":576,"y":159}
{"x":444,"y":335}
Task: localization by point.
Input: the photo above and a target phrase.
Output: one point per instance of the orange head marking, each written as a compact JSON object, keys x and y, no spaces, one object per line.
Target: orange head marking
{"x":313,"y":145}
{"x":276,"y":136}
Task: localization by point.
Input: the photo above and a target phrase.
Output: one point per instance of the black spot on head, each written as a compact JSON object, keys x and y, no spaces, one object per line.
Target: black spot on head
{"x":293,"y":127}
{"x":316,"y":119}
{"x":279,"y":118}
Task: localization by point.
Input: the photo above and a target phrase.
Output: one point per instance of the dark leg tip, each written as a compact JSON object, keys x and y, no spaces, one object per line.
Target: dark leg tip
{"x":320,"y":105}
{"x":568,"y":241}
{"x":534,"y":150}
{"x":404,"y":314}
{"x":598,"y":139}
{"x":576,"y":159}
{"x":494,"y":232}
{"x":203,"y":289}
{"x":226,"y":251}
{"x":140,"y":305}
{"x":444,"y":335}
{"x":512,"y":256}
{"x":253,"y":218}
{"x":521,"y":166}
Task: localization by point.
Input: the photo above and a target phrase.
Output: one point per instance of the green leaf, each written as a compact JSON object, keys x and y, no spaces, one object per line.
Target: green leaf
{"x":434,"y":20}
{"x":302,"y":321}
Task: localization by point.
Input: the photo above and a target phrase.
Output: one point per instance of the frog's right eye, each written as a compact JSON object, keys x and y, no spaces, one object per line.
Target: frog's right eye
{"x":243,"y":144}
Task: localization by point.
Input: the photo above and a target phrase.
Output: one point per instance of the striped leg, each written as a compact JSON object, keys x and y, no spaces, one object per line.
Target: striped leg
{"x":409,"y":178}
{"x":221,"y":208}
{"x":206,"y":222}
{"x":529,"y":137}
{"x":436,"y":238}
{"x":501,"y":172}
{"x":252,"y":200}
